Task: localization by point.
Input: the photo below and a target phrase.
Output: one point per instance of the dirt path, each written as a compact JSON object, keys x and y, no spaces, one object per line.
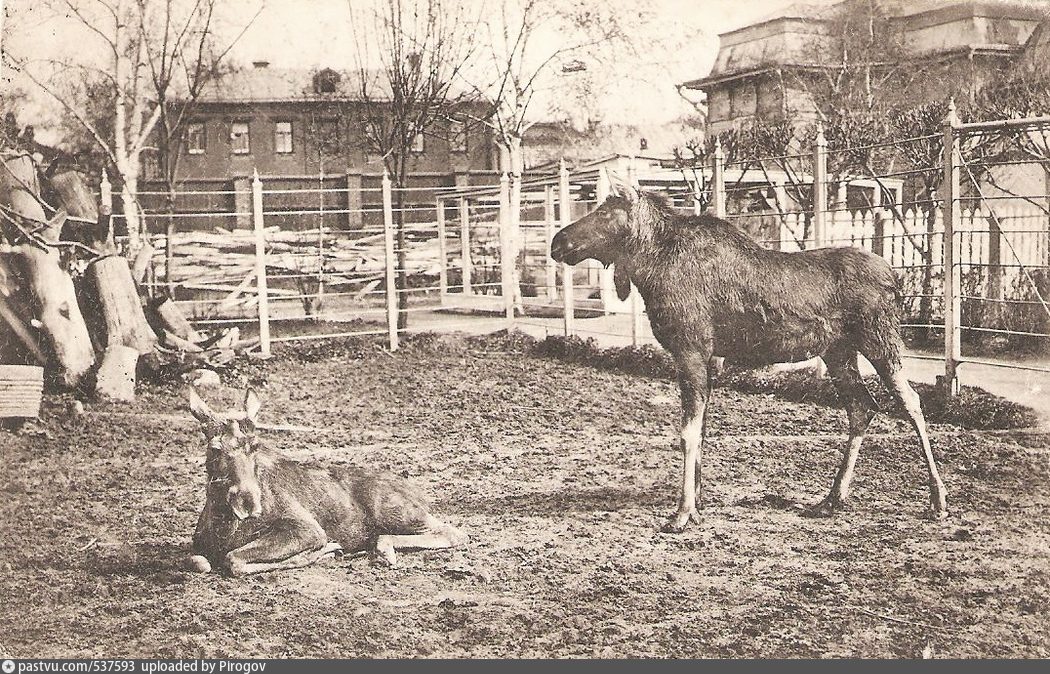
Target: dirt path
{"x":561,"y":475}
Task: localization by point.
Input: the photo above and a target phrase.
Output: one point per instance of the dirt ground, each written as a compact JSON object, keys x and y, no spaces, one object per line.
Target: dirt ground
{"x":561,"y":475}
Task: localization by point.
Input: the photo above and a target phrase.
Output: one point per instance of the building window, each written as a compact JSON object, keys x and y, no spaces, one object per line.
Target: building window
{"x":326,"y":81}
{"x":457,"y":141}
{"x":282,"y":138}
{"x":195,"y":138}
{"x":151,"y":165}
{"x":418,"y":144}
{"x":239,"y":141}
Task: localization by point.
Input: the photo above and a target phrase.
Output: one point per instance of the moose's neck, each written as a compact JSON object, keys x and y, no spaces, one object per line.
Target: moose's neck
{"x":690,"y":250}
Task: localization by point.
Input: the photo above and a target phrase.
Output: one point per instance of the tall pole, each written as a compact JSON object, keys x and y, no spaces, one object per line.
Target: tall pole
{"x":549,"y":226}
{"x":634,"y":299}
{"x":820,"y":187}
{"x":564,"y":208}
{"x":952,"y":286}
{"x":442,"y":253}
{"x":259,"y":228}
{"x":464,"y":241}
{"x":391,"y":262}
{"x":718,"y":181}
{"x":506,"y":254}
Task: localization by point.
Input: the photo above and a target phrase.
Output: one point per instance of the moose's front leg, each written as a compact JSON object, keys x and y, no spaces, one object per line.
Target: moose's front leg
{"x":695,"y":385}
{"x":286,"y":544}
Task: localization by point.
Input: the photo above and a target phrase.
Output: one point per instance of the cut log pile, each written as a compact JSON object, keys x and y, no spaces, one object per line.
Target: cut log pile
{"x":215,"y":257}
{"x":223,"y":261}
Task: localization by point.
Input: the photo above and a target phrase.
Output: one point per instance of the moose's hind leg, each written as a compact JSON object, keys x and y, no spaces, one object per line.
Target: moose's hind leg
{"x":860,"y":408}
{"x":893,"y":377}
{"x":433,"y":535}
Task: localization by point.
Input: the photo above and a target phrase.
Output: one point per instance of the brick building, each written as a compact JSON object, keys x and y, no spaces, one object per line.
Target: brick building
{"x":302,"y":130}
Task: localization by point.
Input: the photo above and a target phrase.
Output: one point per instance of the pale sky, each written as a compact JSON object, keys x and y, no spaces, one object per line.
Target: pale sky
{"x":312,"y":33}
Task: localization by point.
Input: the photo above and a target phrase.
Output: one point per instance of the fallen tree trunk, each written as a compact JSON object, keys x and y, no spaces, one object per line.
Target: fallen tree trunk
{"x":116,"y":299}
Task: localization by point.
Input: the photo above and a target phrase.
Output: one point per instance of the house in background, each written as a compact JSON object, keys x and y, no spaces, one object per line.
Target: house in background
{"x":545,"y":143}
{"x":952,"y":46}
{"x":304,"y":130}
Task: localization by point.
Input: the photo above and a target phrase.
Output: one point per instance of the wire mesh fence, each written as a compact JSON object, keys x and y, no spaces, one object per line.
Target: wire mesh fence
{"x":318,"y":260}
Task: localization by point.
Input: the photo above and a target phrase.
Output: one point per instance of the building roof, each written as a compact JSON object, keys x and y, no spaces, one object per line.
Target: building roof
{"x":263,"y":83}
{"x":798,"y":36}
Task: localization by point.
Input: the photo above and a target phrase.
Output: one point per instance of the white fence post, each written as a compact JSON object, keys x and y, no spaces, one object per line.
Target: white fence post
{"x":564,"y":206}
{"x":442,"y":253}
{"x":548,"y":222}
{"x":634,"y":299}
{"x":391,"y":262}
{"x":951,"y":220}
{"x":820,"y":187}
{"x":260,"y":264}
{"x":105,"y":189}
{"x":718,"y":181}
{"x":464,"y":243}
{"x":506,"y":249}
{"x":597,"y":274}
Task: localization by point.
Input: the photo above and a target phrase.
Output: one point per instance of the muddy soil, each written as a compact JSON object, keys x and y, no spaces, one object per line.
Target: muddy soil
{"x":562,"y":475}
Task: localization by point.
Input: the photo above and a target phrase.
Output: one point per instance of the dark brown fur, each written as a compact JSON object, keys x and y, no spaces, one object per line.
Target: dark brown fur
{"x":711,"y":291}
{"x":264,"y":511}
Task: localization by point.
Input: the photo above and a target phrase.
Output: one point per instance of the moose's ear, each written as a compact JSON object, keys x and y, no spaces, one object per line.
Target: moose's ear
{"x":620,"y":187}
{"x":252,"y":405}
{"x":622,"y":282}
{"x":201,"y":411}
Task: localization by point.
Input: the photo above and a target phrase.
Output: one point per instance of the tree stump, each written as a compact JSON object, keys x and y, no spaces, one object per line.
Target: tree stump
{"x":117,"y":300}
{"x":115,"y":378}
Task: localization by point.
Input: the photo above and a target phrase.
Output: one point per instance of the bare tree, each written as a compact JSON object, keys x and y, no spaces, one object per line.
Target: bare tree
{"x":1018,"y":92}
{"x":158,"y":58}
{"x":410,"y":55}
{"x":532,"y":48}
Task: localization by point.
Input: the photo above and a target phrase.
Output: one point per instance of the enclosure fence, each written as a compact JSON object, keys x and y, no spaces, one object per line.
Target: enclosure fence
{"x":967,"y":231}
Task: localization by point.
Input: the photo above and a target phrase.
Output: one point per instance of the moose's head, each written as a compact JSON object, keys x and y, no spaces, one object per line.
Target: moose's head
{"x":602,"y":233}
{"x":233,"y":456}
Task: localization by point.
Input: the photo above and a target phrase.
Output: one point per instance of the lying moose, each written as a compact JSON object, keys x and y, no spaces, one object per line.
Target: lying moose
{"x":265,"y":512}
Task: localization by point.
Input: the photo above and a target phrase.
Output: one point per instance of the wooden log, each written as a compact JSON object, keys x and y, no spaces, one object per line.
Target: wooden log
{"x":117,"y":302}
{"x":115,"y":378}
{"x":48,"y":289}
{"x":174,"y":341}
{"x":142,"y":260}
{"x":171,"y":319}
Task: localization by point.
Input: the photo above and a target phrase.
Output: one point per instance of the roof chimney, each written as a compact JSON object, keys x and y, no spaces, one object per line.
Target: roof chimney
{"x":261,"y":64}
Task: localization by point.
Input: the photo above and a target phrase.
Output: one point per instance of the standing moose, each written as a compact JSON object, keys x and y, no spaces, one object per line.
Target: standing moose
{"x":265,"y":512}
{"x":711,"y":291}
